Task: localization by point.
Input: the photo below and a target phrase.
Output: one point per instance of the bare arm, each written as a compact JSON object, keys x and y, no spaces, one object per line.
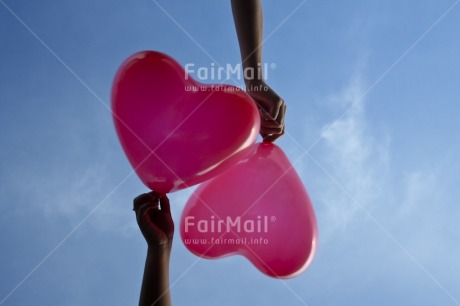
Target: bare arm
{"x":154,"y":219}
{"x":248,"y":17}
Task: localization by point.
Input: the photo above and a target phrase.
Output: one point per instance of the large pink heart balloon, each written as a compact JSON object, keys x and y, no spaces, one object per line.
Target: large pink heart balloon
{"x":175,"y":131}
{"x":259,"y":209}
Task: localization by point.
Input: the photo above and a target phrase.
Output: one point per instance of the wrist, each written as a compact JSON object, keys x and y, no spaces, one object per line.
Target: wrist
{"x":158,"y":257}
{"x":160,"y":248}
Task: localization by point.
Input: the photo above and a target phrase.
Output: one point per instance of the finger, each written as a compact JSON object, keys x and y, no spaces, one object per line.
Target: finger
{"x":270,"y":112}
{"x":268,"y":120}
{"x":144,"y":210}
{"x":141,"y":210}
{"x":154,"y":196}
{"x":264,"y":114}
{"x":277,"y":127}
{"x":265,"y":130}
{"x":150,"y":197}
{"x":279,"y":121}
{"x":164,"y":201}
{"x":268,"y":123}
{"x":272,"y":137}
{"x":277,"y":108}
{"x":282,"y":115}
{"x":140,"y":200}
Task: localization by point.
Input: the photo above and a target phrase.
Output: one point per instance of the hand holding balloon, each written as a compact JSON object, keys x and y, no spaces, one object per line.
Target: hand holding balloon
{"x":272,"y":110}
{"x":153,"y":216}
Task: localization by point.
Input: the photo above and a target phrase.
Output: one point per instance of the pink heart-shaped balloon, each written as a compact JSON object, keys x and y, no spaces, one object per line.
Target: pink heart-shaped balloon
{"x":259,"y":209}
{"x":175,"y":131}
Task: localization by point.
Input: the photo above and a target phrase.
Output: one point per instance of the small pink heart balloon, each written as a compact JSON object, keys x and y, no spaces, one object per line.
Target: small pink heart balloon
{"x":175,"y":131}
{"x":259,"y":209}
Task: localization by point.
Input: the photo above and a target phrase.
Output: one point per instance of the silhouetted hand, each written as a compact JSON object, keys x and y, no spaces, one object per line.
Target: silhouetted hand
{"x":272,"y":110}
{"x":153,"y":215}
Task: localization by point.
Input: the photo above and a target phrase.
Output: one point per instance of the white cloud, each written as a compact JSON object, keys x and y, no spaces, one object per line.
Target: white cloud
{"x":413,"y":209}
{"x":353,"y":156}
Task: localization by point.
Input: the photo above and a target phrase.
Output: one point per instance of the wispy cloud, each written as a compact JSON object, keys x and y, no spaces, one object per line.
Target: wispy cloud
{"x":413,"y":230}
{"x":71,"y":195}
{"x":354,"y":155}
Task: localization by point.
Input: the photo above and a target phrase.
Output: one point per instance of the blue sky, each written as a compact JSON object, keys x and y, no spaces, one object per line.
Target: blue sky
{"x":372,"y":94}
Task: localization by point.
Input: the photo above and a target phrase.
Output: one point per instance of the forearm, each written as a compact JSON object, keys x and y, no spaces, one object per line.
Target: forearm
{"x":155,"y":284}
{"x":248,"y":18}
